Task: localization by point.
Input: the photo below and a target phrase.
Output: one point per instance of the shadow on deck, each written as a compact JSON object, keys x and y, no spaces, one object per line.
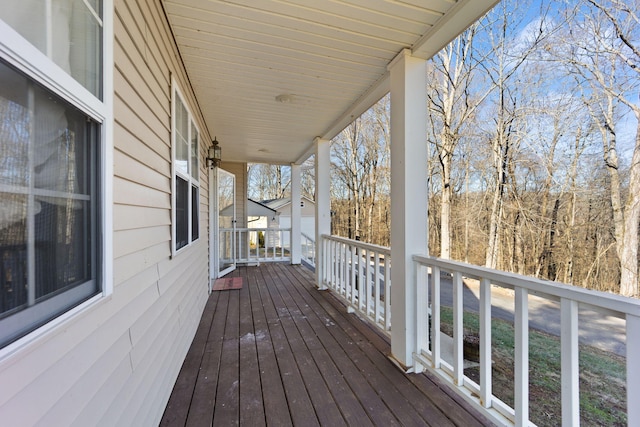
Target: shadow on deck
{"x":280,"y":352}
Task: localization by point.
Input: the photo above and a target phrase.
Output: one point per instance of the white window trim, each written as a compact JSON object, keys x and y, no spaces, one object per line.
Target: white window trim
{"x":176,"y":91}
{"x":32,"y":62}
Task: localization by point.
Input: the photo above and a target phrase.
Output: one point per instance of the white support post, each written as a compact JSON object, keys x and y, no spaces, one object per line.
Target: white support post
{"x":569,"y":362}
{"x":323,"y":202}
{"x":521,"y":357}
{"x":408,"y":196}
{"x":633,"y":370}
{"x":296,"y":213}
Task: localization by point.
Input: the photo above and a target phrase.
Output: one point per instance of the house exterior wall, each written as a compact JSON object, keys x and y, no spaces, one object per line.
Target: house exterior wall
{"x":115,"y":363}
{"x":307,"y":225}
{"x":307,"y":217}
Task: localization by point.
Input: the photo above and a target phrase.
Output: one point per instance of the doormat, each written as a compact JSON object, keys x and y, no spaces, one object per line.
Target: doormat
{"x":226,"y":283}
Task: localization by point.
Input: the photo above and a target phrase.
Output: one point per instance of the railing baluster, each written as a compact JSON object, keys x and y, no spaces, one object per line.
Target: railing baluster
{"x":485,"y":343}
{"x":326,"y":244}
{"x":387,"y":293}
{"x":376,"y":284}
{"x":521,"y":357}
{"x":458,"y":332}
{"x":435,"y":317}
{"x":330,"y":264}
{"x":354,"y":266}
{"x":274,"y":248}
{"x":368,"y":282}
{"x":570,"y":363}
{"x":361,"y":269}
{"x":633,"y":370}
{"x":336,"y":263}
{"x":338,"y":246}
{"x":422,"y":311}
{"x":325,"y":263}
{"x":347,"y":275}
{"x":343,"y":269}
{"x":257,"y":248}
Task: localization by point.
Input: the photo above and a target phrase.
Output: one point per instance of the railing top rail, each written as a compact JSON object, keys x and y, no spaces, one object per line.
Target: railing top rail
{"x":367,"y":246}
{"x":615,"y":303}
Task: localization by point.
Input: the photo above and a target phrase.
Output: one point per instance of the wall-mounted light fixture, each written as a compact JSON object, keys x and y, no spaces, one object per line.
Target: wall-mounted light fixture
{"x":215,"y":154}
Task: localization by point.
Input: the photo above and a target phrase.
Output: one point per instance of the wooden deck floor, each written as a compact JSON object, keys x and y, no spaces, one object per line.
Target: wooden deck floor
{"x":279,"y":352}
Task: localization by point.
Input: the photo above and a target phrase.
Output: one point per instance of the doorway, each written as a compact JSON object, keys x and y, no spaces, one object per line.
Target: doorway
{"x":223,"y":224}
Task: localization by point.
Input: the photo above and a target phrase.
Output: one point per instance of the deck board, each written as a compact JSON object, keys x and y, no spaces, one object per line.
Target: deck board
{"x":280,"y":352}
{"x":274,"y":398}
{"x":205,"y":386}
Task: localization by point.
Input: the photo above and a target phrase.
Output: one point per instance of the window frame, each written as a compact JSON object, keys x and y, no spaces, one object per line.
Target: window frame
{"x":29,"y":60}
{"x":192,"y":182}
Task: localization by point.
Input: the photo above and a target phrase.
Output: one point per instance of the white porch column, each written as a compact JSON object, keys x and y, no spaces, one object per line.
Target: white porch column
{"x":408,"y":197}
{"x":323,"y":201}
{"x":296,"y":213}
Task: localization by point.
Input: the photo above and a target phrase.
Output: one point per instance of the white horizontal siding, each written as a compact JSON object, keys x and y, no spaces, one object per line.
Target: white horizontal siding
{"x":115,"y":363}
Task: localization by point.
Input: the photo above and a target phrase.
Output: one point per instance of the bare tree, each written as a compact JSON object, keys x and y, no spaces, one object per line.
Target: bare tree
{"x":360,"y":168}
{"x":605,"y":54}
{"x":502,"y":67}
{"x":452,"y":105}
{"x":268,"y":181}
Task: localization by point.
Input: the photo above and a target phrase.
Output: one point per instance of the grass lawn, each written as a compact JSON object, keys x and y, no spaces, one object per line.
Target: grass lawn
{"x":602,"y":375}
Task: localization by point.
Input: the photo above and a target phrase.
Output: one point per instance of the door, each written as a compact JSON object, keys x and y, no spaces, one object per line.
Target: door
{"x":226,"y":246}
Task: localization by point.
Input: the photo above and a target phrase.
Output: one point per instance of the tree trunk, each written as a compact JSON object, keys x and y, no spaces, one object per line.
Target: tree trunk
{"x":551,"y":263}
{"x":445,"y":207}
{"x":497,"y":206}
{"x":629,"y":253}
{"x":568,"y":270}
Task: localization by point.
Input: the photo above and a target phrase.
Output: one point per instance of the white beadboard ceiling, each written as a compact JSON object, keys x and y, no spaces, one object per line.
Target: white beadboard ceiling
{"x":325,"y":59}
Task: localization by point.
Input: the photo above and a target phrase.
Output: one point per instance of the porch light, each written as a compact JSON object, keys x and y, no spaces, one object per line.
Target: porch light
{"x":215,"y":154}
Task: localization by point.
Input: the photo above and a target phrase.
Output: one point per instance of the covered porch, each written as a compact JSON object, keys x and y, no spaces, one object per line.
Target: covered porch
{"x":276,"y":83}
{"x":278,"y":352}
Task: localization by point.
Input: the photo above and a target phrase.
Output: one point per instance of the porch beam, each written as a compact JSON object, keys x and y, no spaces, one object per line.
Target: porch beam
{"x":295,"y":235}
{"x":323,"y":202}
{"x":408,"y":197}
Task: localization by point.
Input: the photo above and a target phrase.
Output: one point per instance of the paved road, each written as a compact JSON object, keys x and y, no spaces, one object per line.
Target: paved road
{"x":595,"y":329}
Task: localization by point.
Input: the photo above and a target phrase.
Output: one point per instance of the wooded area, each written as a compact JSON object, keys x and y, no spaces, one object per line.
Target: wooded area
{"x":534,"y":136}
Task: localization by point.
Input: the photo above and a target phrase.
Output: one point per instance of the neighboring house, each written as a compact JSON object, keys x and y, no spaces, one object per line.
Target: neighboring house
{"x":110,"y":230}
{"x":281,"y":218}
{"x":259,"y":215}
{"x":307,"y":214}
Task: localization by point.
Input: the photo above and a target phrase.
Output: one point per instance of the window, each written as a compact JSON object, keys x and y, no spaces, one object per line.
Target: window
{"x":52,"y":167}
{"x":186,"y":170}
{"x":48,"y":209}
{"x":69,"y":32}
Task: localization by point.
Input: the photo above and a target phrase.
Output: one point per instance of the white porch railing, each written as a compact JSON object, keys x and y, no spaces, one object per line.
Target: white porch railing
{"x":255,"y":245}
{"x":352,"y":269}
{"x":570,"y":299}
{"x":308,"y":246}
{"x":361,"y":274}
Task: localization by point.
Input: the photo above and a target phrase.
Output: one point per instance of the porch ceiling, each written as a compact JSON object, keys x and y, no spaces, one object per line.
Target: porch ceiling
{"x":327,"y":58}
